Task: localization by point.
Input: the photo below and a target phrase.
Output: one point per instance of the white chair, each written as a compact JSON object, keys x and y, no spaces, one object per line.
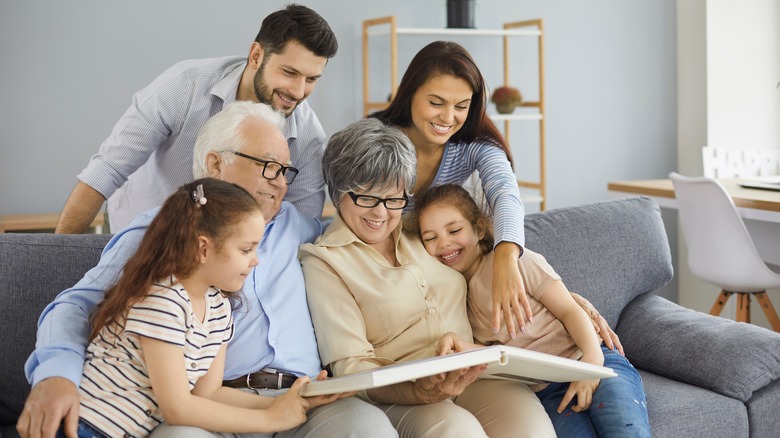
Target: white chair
{"x":720,"y":249}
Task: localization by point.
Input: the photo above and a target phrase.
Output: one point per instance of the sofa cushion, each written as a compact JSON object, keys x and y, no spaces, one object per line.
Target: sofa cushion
{"x":763,"y":401}
{"x":680,"y":410}
{"x":609,"y":252}
{"x":667,"y":339}
{"x":34,"y":268}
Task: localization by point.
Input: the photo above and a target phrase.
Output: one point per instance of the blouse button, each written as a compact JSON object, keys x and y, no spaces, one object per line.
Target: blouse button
{"x":431,"y":312}
{"x":193,"y":365}
{"x":148,"y":413}
{"x":423,"y":283}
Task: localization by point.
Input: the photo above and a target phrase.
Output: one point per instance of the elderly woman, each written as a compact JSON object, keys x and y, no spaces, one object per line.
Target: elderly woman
{"x":377,"y":298}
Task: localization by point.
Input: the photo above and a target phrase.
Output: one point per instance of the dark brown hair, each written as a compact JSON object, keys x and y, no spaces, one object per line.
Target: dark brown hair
{"x":457,"y":197}
{"x":170,"y":244}
{"x":297,"y":23}
{"x":446,"y":58}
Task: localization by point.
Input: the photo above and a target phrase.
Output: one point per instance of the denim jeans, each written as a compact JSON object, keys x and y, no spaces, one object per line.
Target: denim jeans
{"x":85,"y":430}
{"x":618,"y":408}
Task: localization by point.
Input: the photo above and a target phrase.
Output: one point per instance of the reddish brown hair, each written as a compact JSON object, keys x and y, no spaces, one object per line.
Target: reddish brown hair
{"x":446,"y":58}
{"x":170,"y":244}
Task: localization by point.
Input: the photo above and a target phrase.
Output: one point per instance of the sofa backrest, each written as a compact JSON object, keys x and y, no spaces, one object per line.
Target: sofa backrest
{"x":34,"y":268}
{"x":609,"y":252}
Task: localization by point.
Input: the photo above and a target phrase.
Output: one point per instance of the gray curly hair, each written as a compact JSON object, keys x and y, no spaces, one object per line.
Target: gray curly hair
{"x":368,"y":155}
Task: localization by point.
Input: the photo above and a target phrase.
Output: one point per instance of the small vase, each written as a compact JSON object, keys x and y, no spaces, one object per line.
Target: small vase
{"x":460,"y":14}
{"x":505,"y":108}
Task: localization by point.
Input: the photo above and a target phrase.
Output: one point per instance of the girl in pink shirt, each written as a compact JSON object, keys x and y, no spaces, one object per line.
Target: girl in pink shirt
{"x":455,"y":231}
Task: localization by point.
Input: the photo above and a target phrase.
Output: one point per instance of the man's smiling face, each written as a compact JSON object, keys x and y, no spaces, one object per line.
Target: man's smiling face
{"x":264,"y":141}
{"x":286,"y":79}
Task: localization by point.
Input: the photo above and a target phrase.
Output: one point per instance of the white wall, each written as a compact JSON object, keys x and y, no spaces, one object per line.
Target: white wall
{"x":743,"y":69}
{"x":728,"y":69}
{"x":70,"y":68}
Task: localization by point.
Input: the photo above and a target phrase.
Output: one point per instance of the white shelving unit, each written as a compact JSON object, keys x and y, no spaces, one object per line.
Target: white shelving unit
{"x":386,"y":26}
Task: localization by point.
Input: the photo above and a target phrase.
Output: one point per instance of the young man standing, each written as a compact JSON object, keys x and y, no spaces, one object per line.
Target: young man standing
{"x":149,"y":152}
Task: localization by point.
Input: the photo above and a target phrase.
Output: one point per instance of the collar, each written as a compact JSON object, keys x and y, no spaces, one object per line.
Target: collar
{"x":278,"y":216}
{"x":227,"y":87}
{"x":338,"y":234}
{"x":291,"y":123}
{"x":226,"y":90}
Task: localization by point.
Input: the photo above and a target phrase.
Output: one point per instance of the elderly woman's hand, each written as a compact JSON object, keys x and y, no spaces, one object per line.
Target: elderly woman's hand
{"x":452,"y":343}
{"x":509,"y":296}
{"x":603,"y":329}
{"x":439,"y":387}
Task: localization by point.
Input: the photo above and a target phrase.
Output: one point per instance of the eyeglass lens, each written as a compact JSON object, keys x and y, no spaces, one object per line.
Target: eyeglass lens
{"x":272,"y":169}
{"x":367,"y":201}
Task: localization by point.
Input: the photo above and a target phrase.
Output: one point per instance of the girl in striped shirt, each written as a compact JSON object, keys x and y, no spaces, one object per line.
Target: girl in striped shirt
{"x":160,"y":334}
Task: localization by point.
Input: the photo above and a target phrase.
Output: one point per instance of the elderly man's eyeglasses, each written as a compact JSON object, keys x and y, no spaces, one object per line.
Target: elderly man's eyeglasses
{"x":272,"y":169}
{"x":367,"y":201}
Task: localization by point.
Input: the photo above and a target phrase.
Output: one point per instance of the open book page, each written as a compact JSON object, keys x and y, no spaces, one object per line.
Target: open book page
{"x":402,"y":372}
{"x":534,"y":367}
{"x":503,"y":363}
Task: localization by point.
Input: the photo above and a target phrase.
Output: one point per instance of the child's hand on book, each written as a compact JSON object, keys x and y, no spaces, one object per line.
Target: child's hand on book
{"x":320,"y":400}
{"x":289,"y":409}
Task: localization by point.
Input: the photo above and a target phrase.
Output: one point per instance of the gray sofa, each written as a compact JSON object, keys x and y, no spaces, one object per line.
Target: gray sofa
{"x":704,"y":376}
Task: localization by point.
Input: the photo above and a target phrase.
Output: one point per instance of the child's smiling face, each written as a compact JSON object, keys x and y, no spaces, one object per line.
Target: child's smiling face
{"x":449,"y":237}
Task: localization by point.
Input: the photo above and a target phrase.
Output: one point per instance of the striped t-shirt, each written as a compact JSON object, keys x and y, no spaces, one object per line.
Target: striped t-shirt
{"x":116,"y":394}
{"x":497,"y":180}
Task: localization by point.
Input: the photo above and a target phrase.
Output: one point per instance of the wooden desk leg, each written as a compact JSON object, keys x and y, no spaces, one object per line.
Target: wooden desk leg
{"x":743,"y":307}
{"x":769,"y":310}
{"x":720,"y":303}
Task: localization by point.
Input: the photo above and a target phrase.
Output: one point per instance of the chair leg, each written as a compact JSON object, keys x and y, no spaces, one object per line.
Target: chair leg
{"x":769,"y":310}
{"x":720,"y":302}
{"x":743,"y":307}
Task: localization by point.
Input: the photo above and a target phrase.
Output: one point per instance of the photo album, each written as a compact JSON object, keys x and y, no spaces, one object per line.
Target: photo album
{"x":504,"y":362}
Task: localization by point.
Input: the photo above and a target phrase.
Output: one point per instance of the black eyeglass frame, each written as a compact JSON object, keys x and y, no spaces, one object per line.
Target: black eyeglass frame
{"x":378,"y":201}
{"x":283,"y":170}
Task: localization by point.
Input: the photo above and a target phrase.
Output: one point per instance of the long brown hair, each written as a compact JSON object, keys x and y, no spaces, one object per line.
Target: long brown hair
{"x":449,"y":58}
{"x":170,"y":244}
{"x":457,"y":197}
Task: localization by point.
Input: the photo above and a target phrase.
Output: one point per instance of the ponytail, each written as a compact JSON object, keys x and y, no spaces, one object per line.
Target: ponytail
{"x":205,"y":207}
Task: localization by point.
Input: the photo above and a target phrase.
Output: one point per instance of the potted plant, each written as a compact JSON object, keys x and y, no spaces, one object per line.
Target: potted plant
{"x":506,"y":99}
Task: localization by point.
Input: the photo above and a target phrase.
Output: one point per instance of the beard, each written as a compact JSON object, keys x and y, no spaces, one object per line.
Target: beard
{"x":265,"y":94}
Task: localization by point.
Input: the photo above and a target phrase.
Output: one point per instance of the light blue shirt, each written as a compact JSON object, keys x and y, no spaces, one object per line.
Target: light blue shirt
{"x":148,"y":154}
{"x":273,"y":328}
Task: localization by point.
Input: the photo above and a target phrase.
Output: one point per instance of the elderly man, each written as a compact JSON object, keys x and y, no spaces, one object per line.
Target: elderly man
{"x":149,"y":152}
{"x":274,"y":339}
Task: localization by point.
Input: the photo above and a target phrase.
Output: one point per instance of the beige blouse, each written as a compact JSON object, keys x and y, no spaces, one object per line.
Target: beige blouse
{"x":546,"y":334}
{"x":368,"y":313}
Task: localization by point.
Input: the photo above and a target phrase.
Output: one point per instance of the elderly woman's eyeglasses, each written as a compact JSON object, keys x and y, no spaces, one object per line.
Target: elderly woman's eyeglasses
{"x":272,"y":169}
{"x":367,"y":201}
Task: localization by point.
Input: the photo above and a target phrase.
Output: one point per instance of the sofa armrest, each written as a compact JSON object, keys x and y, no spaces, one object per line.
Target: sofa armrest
{"x":730,"y":358}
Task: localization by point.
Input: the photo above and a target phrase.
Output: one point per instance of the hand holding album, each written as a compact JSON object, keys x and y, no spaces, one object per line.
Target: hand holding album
{"x":503,"y":362}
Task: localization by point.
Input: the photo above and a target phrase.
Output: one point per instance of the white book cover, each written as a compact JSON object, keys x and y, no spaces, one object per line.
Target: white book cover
{"x":504,"y":362}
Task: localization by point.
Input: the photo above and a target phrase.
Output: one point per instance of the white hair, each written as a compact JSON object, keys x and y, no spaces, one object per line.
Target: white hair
{"x":221,"y":132}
